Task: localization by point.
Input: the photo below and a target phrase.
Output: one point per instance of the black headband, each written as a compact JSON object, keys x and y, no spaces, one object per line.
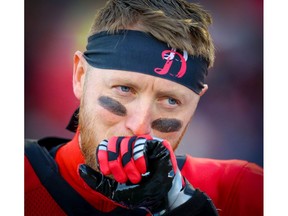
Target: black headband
{"x":137,"y":51}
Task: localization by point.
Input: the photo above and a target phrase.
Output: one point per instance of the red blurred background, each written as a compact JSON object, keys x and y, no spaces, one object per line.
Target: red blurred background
{"x":229,"y":120}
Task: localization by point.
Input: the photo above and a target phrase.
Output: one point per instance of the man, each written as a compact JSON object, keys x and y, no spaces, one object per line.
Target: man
{"x":139,"y":83}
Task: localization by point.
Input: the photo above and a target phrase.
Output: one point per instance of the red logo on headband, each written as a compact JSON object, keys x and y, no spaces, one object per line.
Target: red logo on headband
{"x":169,"y":56}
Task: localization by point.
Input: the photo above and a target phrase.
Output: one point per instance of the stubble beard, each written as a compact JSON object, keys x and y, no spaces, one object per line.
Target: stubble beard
{"x":180,"y":138}
{"x":88,"y":142}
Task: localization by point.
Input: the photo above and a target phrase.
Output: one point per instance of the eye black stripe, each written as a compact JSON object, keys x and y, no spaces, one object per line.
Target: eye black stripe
{"x":166,"y":125}
{"x":112,"y":105}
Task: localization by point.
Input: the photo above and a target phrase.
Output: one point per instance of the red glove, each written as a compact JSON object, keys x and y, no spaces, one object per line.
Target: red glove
{"x":125,"y":157}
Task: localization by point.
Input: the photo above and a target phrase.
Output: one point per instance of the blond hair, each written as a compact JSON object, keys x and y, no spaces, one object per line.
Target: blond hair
{"x":178,"y":23}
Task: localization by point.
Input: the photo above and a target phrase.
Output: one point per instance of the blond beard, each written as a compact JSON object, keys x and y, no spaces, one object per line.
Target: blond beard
{"x":88,"y":141}
{"x":180,"y":138}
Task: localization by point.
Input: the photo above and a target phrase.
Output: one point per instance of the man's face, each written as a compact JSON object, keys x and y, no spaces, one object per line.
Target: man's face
{"x":121,"y":103}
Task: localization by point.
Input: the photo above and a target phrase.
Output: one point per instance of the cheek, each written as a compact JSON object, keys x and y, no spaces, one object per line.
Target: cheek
{"x":97,"y":125}
{"x":105,"y":119}
{"x":112,"y":105}
{"x":172,"y":138}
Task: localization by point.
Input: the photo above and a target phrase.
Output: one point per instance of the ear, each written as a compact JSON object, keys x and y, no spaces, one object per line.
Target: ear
{"x":79,"y":72}
{"x":204,"y":90}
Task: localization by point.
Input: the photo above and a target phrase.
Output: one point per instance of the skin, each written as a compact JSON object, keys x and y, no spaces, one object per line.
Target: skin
{"x":122,"y":103}
{"x":165,"y":125}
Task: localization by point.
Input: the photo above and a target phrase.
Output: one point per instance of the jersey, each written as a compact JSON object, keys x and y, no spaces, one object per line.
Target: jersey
{"x":235,"y":186}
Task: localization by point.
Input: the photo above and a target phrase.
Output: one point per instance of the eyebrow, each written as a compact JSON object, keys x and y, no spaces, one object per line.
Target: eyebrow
{"x":112,"y":105}
{"x":122,"y":81}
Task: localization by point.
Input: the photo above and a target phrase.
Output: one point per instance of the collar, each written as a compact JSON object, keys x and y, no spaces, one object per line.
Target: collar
{"x":68,"y":158}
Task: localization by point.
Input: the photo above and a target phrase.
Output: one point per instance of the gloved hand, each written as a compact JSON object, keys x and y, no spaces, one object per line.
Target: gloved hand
{"x":160,"y":191}
{"x":123,"y":157}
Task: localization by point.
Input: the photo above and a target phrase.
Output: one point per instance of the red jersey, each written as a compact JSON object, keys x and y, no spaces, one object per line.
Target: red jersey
{"x":235,"y":186}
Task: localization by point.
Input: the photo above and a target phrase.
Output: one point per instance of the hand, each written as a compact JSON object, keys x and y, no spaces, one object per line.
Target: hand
{"x":124,"y":157}
{"x":151,"y":192}
{"x":161,"y":191}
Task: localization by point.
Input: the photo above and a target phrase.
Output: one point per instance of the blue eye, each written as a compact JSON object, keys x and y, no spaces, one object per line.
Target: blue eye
{"x":125,"y":88}
{"x":172,"y":101}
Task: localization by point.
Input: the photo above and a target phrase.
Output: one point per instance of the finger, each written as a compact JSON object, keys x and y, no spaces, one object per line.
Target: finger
{"x":102,"y":158}
{"x":114,"y":159}
{"x":171,"y":153}
{"x":139,"y":155}
{"x":90,"y":176}
{"x":96,"y":180}
{"x":127,"y":160}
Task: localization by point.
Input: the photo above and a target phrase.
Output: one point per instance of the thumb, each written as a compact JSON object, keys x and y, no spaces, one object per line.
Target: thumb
{"x":97,"y":181}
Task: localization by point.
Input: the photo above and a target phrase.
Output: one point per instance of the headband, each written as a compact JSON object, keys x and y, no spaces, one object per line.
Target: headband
{"x":140,"y":52}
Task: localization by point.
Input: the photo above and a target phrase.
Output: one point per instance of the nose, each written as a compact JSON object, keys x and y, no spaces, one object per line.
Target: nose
{"x":139,"y":119}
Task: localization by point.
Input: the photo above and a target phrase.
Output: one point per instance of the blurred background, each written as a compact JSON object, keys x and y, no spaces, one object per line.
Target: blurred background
{"x":228,"y":123}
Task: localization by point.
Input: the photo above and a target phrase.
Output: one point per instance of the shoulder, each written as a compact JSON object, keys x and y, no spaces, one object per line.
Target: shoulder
{"x":232,"y":184}
{"x":204,"y":171}
{"x":214,"y":167}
